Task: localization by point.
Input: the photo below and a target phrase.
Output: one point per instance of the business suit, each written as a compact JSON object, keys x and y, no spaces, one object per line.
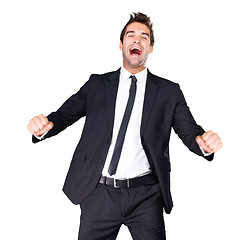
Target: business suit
{"x":164,"y":108}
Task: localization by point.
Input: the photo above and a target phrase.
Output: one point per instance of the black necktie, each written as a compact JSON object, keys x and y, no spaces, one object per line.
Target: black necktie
{"x":123,"y":128}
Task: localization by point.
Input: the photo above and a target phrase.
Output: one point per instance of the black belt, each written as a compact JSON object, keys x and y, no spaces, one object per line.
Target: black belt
{"x":129,"y":182}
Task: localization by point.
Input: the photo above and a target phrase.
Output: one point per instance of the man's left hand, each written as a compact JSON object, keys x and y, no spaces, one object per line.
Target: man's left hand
{"x":210,"y":142}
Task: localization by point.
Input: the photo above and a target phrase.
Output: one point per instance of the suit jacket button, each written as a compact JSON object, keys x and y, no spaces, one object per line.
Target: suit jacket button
{"x":108,"y":141}
{"x":102,"y":161}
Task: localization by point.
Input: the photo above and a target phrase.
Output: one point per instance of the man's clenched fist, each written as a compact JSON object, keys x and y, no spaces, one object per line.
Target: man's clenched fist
{"x":210,"y":142}
{"x":39,"y":125}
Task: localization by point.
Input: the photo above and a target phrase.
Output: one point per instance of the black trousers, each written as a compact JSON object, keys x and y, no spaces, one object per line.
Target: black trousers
{"x":107,"y":208}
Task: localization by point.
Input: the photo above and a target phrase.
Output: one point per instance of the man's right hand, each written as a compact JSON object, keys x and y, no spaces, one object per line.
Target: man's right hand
{"x":39,"y":125}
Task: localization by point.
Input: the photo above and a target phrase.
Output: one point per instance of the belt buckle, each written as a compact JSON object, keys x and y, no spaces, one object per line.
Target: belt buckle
{"x":128,"y":182}
{"x":123,"y":179}
{"x":115,"y":183}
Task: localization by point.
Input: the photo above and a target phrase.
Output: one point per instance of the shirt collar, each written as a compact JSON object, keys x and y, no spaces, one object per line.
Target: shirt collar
{"x":141,"y":76}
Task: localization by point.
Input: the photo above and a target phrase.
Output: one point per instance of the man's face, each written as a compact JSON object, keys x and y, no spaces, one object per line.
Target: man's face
{"x":136,"y":47}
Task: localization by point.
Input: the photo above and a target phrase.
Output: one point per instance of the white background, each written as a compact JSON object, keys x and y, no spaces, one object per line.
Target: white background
{"x":48,"y":49}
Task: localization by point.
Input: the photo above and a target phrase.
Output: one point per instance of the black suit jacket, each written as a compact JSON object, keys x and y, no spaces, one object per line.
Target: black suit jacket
{"x":164,"y":108}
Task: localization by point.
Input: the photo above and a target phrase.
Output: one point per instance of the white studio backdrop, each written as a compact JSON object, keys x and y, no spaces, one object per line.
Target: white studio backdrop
{"x":48,"y":49}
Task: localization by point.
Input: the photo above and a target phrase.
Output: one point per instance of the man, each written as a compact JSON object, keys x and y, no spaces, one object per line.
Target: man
{"x":120,"y":171}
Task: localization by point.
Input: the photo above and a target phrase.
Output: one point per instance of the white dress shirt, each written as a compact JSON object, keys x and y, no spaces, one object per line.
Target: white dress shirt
{"x":133,"y":161}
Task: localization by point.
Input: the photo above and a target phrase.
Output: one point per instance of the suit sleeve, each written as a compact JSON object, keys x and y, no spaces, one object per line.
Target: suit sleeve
{"x":186,"y":127}
{"x":71,"y":111}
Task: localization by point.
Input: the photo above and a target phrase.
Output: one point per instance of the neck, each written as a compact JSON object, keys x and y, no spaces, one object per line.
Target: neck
{"x":133,"y":70}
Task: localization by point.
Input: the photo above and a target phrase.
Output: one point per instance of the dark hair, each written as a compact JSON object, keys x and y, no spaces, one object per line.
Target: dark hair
{"x":141,"y":18}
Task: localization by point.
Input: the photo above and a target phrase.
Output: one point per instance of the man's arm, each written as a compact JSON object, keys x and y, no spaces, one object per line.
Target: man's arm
{"x":72,"y":110}
{"x":192,"y":135}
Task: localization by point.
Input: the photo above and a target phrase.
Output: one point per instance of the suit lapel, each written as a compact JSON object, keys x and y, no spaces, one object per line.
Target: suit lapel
{"x":111,"y":87}
{"x":150,"y":95}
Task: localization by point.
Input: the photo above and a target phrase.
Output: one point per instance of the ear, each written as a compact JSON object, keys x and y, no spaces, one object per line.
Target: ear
{"x":120,"y":45}
{"x":151,"y":49}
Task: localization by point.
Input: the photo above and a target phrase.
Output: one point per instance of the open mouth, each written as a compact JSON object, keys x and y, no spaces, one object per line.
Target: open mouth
{"x":135,"y":51}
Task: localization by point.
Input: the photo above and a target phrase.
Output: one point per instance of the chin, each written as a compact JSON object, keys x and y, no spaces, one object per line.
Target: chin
{"x":137,"y":65}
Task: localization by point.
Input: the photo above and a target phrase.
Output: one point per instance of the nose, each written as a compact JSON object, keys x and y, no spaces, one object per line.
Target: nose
{"x":137,"y":39}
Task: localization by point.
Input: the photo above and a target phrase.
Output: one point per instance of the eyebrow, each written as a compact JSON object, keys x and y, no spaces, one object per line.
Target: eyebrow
{"x":143,"y":33}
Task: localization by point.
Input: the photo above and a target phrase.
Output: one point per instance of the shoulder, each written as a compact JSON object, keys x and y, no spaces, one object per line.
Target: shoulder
{"x":161,"y":81}
{"x":104,"y":76}
{"x":164,"y":84}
